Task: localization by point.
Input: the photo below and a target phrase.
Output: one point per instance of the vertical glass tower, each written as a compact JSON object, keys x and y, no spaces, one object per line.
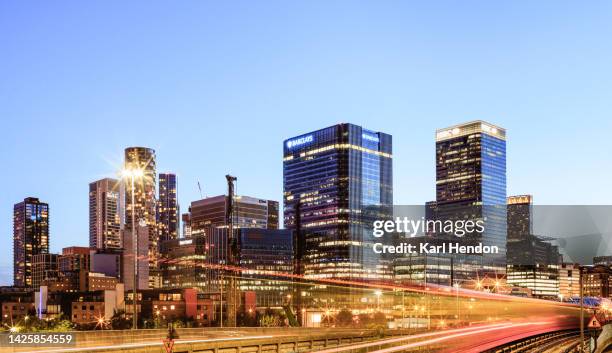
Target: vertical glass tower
{"x":332,"y":177}
{"x":471,"y":182}
{"x":30,"y":238}
{"x":167,"y":208}
{"x":144,"y":204}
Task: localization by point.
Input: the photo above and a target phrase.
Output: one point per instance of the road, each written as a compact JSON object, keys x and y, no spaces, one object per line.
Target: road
{"x":471,"y":339}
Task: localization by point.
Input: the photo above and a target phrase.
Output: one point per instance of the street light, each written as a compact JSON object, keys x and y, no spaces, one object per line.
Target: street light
{"x":378,"y":293}
{"x":132,"y":174}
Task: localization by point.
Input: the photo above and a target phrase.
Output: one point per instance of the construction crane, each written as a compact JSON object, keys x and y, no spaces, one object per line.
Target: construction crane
{"x":232,"y":253}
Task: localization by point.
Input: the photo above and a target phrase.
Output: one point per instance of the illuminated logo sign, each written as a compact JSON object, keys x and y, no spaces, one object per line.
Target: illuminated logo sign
{"x":299,"y":141}
{"x":369,"y":137}
{"x":185,"y":242}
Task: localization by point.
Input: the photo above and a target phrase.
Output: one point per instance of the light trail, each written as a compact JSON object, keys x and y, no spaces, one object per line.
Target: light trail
{"x":144,"y":344}
{"x":467,"y":330}
{"x":456,"y":335}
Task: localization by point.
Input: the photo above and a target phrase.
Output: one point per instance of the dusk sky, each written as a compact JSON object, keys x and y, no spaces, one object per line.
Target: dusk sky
{"x":215,"y":87}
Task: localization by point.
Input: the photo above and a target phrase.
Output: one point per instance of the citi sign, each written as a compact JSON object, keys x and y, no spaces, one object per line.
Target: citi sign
{"x":299,"y":141}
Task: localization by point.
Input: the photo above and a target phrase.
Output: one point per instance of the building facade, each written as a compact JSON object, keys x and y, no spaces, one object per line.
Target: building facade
{"x":531,"y":262}
{"x":250,"y":212}
{"x":168,"y":208}
{"x":144,"y":206}
{"x":569,"y":281}
{"x":44,"y":268}
{"x":331,"y":178}
{"x":105,"y":214}
{"x":471,"y":183}
{"x":30,"y":238}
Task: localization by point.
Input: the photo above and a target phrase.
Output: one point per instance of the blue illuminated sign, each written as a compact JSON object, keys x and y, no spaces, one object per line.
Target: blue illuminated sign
{"x":369,"y":137}
{"x":299,"y":141}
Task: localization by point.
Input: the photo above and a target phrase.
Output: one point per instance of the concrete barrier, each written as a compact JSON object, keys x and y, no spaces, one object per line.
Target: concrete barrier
{"x":214,"y":340}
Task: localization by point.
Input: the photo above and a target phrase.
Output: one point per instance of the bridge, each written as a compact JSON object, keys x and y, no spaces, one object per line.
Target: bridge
{"x":416,"y":318}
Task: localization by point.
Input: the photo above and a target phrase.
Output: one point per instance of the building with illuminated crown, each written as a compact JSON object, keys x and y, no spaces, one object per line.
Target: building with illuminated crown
{"x":332,"y":177}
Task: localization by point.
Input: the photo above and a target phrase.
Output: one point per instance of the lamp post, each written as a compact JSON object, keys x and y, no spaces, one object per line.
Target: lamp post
{"x":134,"y":173}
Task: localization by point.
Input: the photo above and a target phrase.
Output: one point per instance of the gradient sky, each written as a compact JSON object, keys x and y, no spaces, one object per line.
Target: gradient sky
{"x":214,"y":87}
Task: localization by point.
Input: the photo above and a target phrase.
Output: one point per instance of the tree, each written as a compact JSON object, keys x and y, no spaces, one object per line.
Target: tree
{"x":344,"y":318}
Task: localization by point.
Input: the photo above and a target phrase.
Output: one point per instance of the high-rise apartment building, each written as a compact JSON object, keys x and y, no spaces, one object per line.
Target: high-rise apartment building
{"x":30,"y":238}
{"x":144,"y":205}
{"x":104,"y":214}
{"x":167,"y":208}
{"x":332,"y":177}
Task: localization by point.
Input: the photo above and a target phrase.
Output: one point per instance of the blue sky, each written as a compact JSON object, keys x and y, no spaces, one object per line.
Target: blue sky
{"x":215,"y":87}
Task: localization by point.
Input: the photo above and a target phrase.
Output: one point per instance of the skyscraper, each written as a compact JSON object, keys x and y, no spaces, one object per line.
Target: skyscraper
{"x":471,"y":182}
{"x":144,"y":206}
{"x":167,"y":208}
{"x":104,"y":214}
{"x":30,"y":237}
{"x":531,"y":262}
{"x":331,"y":176}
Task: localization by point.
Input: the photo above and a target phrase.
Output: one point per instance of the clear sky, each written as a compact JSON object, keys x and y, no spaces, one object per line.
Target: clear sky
{"x":214,"y":87}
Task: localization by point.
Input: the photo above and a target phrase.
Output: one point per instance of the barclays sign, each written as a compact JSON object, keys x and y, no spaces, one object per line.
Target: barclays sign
{"x":299,"y":141}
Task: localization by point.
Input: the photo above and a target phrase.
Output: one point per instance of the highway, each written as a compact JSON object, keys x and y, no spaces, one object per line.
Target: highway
{"x":471,"y":339}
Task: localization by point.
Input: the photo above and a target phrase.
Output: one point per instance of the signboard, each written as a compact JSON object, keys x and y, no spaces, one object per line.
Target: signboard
{"x":168,"y":344}
{"x":594,"y":323}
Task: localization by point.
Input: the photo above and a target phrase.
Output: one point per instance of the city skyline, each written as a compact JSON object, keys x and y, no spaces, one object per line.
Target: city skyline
{"x":235,"y":89}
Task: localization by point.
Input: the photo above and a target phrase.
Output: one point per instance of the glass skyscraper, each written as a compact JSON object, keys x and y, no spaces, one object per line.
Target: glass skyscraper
{"x":471,"y":183}
{"x":167,"y":208}
{"x":30,"y":238}
{"x":144,"y":206}
{"x":333,"y":178}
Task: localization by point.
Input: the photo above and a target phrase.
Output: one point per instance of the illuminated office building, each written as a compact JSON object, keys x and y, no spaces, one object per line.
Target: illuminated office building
{"x":569,"y":281}
{"x":167,"y":208}
{"x":30,"y":238}
{"x":531,"y":262}
{"x":250,"y":212}
{"x":192,"y":262}
{"x":333,"y":179}
{"x":144,"y":206}
{"x":104,"y":214}
{"x":471,"y":184}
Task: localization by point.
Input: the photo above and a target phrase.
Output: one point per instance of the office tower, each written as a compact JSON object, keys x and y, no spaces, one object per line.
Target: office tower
{"x":334,"y":179}
{"x":471,"y":183}
{"x":531,"y":261}
{"x":30,"y":237}
{"x":44,"y":268}
{"x":144,"y":207}
{"x":167,"y":208}
{"x":250,"y":212}
{"x":104,"y":214}
{"x":191,"y":262}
